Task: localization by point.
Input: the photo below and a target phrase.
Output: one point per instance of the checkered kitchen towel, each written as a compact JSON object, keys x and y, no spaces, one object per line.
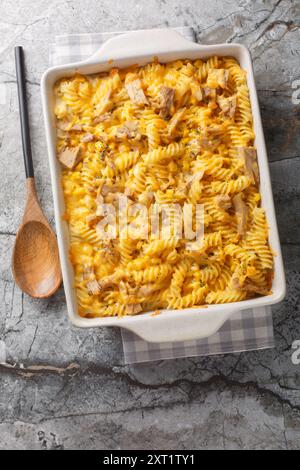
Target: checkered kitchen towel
{"x":245,"y":331}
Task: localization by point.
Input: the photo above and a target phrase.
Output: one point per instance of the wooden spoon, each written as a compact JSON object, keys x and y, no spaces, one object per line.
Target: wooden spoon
{"x":35,"y":260}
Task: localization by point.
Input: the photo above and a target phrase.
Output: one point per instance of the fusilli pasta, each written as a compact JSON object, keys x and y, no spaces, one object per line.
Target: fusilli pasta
{"x":173,"y":133}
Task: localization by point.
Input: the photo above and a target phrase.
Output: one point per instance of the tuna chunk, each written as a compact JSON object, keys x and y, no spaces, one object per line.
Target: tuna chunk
{"x":70,"y":157}
{"x":107,"y":282}
{"x":241,"y":212}
{"x":93,"y":287}
{"x":194,"y":177}
{"x":166,"y":101}
{"x":87,"y":137}
{"x":227,"y":105}
{"x":197,"y":92}
{"x":248,"y":154}
{"x":92,"y":220}
{"x":88,"y":272}
{"x":128,"y":131}
{"x":250,"y":286}
{"x":223,"y":201}
{"x":174,"y":121}
{"x":102,"y":118}
{"x":209,"y":92}
{"x":148,"y":289}
{"x":136,"y":92}
{"x":132,"y":309}
{"x":217,"y":78}
{"x":76,"y":127}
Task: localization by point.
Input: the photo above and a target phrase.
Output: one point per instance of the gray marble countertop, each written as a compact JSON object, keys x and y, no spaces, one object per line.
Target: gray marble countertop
{"x":64,"y":388}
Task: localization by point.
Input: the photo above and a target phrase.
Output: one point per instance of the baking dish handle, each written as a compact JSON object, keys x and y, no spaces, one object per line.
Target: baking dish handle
{"x":142,"y":43}
{"x":200,"y":323}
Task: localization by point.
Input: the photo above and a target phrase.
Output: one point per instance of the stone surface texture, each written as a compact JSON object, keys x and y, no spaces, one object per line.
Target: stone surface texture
{"x":63,"y":388}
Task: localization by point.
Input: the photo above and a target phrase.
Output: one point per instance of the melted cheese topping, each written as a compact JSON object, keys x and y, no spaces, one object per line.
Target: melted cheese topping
{"x":179,"y":133}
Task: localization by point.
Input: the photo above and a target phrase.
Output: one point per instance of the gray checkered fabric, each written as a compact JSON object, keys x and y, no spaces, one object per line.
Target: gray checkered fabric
{"x":248,"y":330}
{"x":76,"y":47}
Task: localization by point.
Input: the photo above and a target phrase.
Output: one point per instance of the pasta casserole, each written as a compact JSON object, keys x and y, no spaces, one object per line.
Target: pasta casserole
{"x":158,"y":136}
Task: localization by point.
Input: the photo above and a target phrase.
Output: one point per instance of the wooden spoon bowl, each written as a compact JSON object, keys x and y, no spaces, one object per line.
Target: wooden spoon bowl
{"x":35,"y":261}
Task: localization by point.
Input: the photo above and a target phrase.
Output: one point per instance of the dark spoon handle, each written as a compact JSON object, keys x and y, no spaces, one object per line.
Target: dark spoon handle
{"x":24,"y":119}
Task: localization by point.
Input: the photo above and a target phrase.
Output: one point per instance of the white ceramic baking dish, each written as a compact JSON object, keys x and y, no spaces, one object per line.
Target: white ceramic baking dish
{"x":122,"y":51}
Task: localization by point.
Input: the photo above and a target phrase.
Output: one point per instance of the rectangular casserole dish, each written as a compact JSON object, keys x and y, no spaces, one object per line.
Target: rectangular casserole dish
{"x":140,"y":47}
